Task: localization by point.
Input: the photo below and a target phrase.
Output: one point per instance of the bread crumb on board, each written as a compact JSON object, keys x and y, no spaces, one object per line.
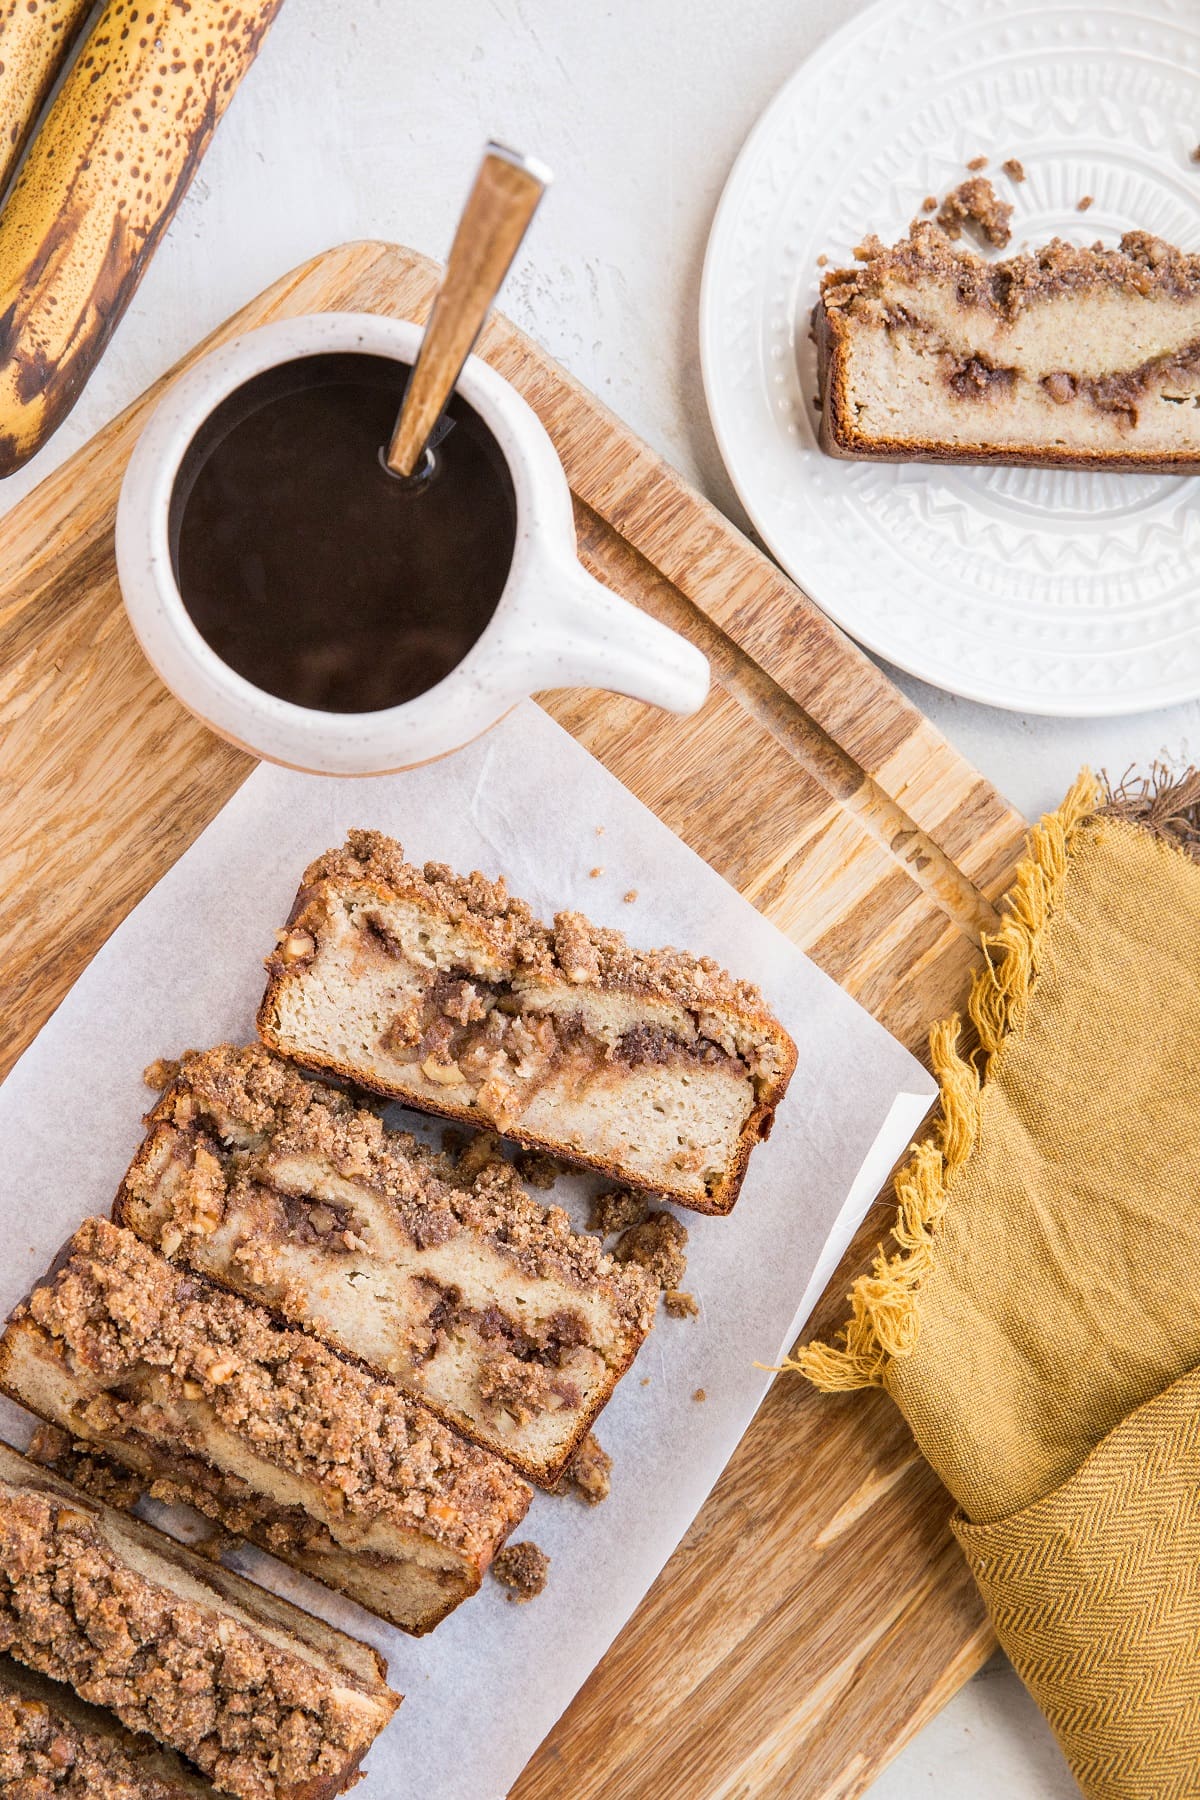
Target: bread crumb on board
{"x":976,"y":203}
{"x":590,"y":1474}
{"x":522,"y":1568}
{"x":597,"y":871}
{"x":1083,"y":204}
{"x":976,"y":163}
{"x":681,"y":1305}
{"x":616,"y":1209}
{"x":699,"y":1394}
{"x":630,"y":896}
{"x":1014,"y":168}
{"x":538,"y":1169}
{"x":656,"y":1244}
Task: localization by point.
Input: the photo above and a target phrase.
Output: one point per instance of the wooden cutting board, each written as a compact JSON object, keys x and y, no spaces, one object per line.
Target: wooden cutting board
{"x":817,"y":1613}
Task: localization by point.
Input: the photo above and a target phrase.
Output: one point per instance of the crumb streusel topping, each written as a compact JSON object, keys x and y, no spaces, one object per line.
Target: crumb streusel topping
{"x":117,"y":1308}
{"x":573,"y":948}
{"x":1142,"y":265}
{"x":253,"y":1717}
{"x":249,"y":1095}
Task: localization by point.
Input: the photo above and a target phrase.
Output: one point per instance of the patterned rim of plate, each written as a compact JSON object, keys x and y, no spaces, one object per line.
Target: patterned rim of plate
{"x":1063,"y":593}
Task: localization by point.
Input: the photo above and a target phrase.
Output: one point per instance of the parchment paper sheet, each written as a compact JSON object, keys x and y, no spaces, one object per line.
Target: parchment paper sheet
{"x":185,"y":970}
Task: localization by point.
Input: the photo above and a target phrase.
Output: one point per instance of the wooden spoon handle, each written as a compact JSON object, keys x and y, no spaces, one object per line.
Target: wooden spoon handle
{"x":497,"y":214}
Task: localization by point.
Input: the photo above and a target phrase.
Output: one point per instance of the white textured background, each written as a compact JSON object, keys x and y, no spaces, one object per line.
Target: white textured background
{"x":365,"y":118}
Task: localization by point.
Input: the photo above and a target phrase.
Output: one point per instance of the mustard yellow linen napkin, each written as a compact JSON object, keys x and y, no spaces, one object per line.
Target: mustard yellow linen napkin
{"x":1038,"y":1322}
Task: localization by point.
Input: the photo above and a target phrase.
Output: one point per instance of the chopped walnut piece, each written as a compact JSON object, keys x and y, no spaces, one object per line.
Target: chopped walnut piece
{"x":976,"y":203}
{"x":445,"y":1074}
{"x":160,"y":1073}
{"x":616,"y":1210}
{"x":1060,"y":385}
{"x":295,"y":946}
{"x":681,"y":1305}
{"x":48,"y":1446}
{"x":1014,"y":168}
{"x":523,"y":1568}
{"x":657,"y":1245}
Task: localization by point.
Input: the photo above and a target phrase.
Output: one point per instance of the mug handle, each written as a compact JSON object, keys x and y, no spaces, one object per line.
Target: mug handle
{"x":594,"y":638}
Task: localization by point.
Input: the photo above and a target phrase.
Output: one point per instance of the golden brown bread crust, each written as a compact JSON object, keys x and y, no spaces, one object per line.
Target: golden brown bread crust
{"x":1142,"y":266}
{"x":191,"y":1654}
{"x":574,"y":951}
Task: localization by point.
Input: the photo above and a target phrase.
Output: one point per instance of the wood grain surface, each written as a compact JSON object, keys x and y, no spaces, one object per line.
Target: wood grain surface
{"x":817,"y":1613}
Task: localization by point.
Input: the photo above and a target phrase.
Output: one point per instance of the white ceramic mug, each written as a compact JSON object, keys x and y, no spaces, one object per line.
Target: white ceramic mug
{"x":554,"y":626}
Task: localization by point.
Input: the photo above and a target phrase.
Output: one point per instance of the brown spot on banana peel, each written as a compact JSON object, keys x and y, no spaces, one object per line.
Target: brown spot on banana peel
{"x":81,"y":226}
{"x":36,"y":47}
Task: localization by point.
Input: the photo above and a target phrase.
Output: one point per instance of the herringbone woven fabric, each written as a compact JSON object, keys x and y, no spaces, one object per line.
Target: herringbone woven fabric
{"x":1095,"y":1595}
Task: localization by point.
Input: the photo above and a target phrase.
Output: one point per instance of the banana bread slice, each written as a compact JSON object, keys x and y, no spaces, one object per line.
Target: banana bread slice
{"x":262,"y":1428}
{"x":268,"y":1702}
{"x":440,"y":1273}
{"x":443,"y":991}
{"x":1063,"y":357}
{"x":54,"y":1746}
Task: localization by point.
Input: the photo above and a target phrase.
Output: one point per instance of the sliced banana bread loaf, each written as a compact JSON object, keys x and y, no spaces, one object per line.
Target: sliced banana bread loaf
{"x":443,"y":991}
{"x":438,"y":1272}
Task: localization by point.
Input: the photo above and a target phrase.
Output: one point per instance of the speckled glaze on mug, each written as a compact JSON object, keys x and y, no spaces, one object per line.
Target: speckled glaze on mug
{"x":554,"y":626}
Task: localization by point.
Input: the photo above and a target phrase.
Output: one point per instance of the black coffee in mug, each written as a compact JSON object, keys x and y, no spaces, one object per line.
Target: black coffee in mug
{"x":309,"y":568}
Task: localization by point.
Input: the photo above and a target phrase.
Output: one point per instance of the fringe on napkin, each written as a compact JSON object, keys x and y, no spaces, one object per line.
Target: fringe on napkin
{"x":884,"y":1304}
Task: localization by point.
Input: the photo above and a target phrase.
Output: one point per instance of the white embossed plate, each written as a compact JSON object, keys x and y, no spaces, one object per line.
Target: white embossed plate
{"x":1064,"y":593}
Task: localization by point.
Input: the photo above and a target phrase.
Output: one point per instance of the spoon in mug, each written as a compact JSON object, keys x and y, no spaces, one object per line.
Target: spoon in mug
{"x":494,"y":220}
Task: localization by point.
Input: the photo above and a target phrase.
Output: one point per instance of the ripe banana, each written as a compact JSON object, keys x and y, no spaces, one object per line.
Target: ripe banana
{"x":99,"y":186}
{"x":35,"y":40}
